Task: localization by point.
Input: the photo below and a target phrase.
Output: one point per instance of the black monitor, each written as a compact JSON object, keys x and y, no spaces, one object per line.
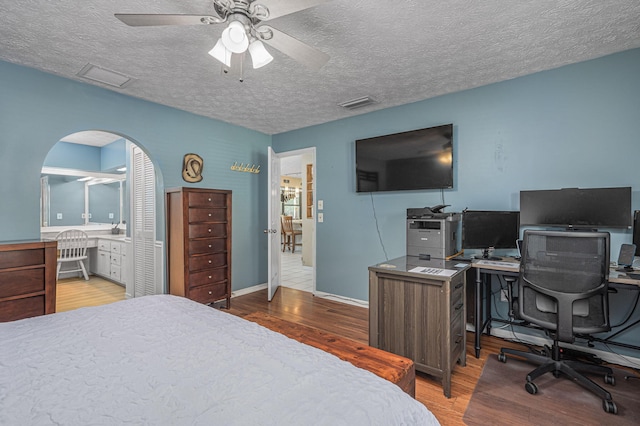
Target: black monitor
{"x":636,"y":231}
{"x":575,"y":208}
{"x":484,"y":229}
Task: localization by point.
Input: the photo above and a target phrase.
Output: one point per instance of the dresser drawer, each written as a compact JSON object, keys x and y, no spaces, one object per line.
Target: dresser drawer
{"x":208,"y":230}
{"x":16,"y":258}
{"x":27,"y":307}
{"x":207,"y":199}
{"x":197,"y":263}
{"x":207,"y":215}
{"x":16,"y":283}
{"x":116,"y":259}
{"x":208,"y":293}
{"x":213,"y":245}
{"x":457,"y":337}
{"x":209,"y":276}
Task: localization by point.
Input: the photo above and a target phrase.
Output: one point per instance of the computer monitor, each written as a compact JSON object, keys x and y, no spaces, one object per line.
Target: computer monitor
{"x":636,"y":231}
{"x":485,"y":229}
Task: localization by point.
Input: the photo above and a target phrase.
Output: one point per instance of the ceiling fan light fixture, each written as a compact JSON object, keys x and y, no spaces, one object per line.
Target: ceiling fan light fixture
{"x":221,"y":53}
{"x":234,"y":37}
{"x":259,"y":54}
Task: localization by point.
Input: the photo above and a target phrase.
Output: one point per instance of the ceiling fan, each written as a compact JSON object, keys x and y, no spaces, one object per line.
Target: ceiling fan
{"x":245,"y":31}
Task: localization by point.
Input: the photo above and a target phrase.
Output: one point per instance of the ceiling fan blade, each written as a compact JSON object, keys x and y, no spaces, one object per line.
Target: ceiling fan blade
{"x":292,"y":47}
{"x":278,"y":8}
{"x":146,"y":20}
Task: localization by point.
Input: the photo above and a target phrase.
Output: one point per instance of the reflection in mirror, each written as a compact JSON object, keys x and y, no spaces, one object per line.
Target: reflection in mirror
{"x":76,"y":197}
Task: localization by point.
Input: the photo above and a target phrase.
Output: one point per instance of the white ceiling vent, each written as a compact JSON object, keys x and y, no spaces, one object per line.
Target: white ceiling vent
{"x":358,"y":103}
{"x":104,"y":76}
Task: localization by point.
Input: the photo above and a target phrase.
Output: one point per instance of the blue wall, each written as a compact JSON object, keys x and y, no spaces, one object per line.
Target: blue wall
{"x":38,"y":109}
{"x":73,"y":156}
{"x":576,"y":126}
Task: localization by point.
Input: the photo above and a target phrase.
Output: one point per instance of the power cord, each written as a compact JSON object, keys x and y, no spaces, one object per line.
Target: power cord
{"x":375,"y":217}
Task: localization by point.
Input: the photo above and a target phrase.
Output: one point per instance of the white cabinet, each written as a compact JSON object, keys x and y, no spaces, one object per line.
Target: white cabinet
{"x":111,"y":260}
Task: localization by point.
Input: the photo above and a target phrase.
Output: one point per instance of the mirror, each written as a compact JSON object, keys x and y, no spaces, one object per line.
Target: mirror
{"x":75,"y":197}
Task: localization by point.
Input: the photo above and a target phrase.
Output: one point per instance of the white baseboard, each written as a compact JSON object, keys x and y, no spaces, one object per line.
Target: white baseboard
{"x":611,"y":357}
{"x":248,"y":290}
{"x":342,"y":299}
{"x":334,"y":297}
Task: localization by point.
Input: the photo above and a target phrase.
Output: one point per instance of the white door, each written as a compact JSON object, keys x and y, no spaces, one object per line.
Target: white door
{"x":273,"y":224}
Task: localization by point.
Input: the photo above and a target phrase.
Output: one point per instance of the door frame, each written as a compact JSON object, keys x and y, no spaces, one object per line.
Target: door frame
{"x":276,"y":198}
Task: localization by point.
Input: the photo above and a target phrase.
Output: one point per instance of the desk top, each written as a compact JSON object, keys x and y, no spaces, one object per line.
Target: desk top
{"x":439,"y":269}
{"x":509,"y":264}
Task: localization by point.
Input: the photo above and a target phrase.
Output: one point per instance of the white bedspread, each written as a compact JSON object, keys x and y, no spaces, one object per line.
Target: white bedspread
{"x":164,"y":360}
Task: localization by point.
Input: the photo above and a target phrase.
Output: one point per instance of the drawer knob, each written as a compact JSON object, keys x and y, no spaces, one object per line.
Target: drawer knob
{"x":459,"y":285}
{"x":209,"y":198}
{"x":209,"y":261}
{"x":209,"y":230}
{"x":210,"y":292}
{"x":458,"y":339}
{"x":209,"y":276}
{"x":459,"y":306}
{"x":209,"y":245}
{"x":209,"y":214}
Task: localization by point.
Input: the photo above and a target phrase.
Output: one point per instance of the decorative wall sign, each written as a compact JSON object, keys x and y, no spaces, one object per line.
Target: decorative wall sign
{"x":192,"y":168}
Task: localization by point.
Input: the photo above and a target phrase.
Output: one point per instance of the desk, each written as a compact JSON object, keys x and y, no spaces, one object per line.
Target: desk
{"x":511,"y":267}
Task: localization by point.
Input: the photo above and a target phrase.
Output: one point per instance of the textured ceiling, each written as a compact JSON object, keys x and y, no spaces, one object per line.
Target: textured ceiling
{"x":420,"y":49}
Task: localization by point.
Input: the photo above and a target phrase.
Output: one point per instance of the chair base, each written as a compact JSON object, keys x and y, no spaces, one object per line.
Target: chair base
{"x":553,"y":363}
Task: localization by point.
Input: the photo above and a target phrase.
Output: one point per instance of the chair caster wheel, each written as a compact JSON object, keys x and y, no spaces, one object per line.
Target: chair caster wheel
{"x":609,"y":379}
{"x":610,"y":407}
{"x":556,"y":374}
{"x":502,"y":357}
{"x":531,"y":387}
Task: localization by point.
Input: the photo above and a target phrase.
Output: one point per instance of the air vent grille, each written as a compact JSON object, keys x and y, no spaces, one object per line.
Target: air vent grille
{"x":358,"y":103}
{"x":104,"y":76}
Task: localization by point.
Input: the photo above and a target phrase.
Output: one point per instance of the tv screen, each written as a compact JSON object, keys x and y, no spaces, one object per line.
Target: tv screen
{"x":482,"y":229}
{"x":577,"y":208}
{"x":419,"y":159}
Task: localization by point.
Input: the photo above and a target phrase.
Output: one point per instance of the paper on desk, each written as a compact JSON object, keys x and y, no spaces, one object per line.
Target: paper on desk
{"x":433,"y":271}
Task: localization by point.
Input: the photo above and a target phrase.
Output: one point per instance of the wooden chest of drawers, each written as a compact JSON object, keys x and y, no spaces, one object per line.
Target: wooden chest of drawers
{"x":199,"y":244}
{"x":27,"y":279}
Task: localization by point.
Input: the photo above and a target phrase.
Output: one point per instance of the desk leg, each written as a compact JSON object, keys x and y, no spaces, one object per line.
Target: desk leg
{"x":478,"y":314}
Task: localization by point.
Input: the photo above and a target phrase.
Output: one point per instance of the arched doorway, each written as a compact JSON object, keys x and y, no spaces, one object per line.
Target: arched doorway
{"x":105,"y":184}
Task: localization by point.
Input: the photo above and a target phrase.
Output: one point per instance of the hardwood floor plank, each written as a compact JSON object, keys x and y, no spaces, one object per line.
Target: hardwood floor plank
{"x":74,"y":293}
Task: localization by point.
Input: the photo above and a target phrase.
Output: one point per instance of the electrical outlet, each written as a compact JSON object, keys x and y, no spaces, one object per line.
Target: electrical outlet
{"x":504,"y":295}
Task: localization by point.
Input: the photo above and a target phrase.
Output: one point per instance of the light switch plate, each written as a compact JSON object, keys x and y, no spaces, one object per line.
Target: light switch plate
{"x":59,"y":216}
{"x":320,"y":217}
{"x":320,"y":204}
{"x":110,"y":215}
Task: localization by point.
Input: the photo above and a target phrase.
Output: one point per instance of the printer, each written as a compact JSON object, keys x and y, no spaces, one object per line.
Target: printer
{"x":431,"y":233}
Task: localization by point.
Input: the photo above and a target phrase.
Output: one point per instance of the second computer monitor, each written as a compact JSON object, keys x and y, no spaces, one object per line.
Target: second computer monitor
{"x":484,"y":229}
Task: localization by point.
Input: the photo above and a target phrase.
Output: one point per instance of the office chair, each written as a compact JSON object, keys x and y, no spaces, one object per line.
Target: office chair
{"x":72,"y":247}
{"x":562,"y":288}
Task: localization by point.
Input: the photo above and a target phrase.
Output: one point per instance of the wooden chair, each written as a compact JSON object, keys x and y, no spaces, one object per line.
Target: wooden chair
{"x":289,"y":233}
{"x":72,"y":247}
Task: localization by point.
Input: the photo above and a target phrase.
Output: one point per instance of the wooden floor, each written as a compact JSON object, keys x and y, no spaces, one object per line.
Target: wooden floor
{"x":334,"y":317}
{"x":74,"y":293}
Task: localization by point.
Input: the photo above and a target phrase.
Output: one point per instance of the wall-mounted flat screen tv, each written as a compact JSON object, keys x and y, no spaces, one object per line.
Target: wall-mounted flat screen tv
{"x":418,"y":159}
{"x":577,"y":208}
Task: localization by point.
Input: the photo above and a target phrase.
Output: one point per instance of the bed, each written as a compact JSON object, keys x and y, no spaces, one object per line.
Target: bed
{"x":165,"y":360}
